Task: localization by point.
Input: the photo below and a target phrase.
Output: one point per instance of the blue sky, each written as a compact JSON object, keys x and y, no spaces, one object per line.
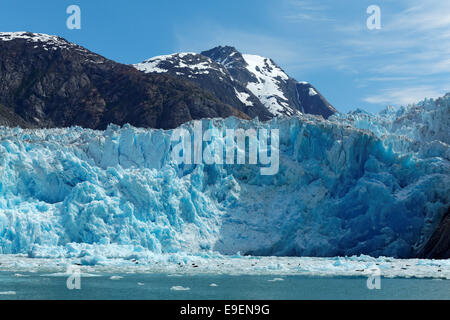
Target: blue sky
{"x":324,"y":42}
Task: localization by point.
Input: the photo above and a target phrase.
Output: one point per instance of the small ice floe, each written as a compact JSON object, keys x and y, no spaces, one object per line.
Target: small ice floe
{"x":140,"y":284}
{"x":7,"y":293}
{"x":65,"y":274}
{"x":116,"y":278}
{"x":179,"y":288}
{"x":18,"y":275}
{"x":276,"y":280}
{"x":213,"y":285}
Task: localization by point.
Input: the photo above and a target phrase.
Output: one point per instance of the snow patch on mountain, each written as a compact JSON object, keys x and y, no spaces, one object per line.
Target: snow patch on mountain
{"x":244,"y":98}
{"x":50,"y":43}
{"x":151,"y":65}
{"x":33,"y":37}
{"x":267,"y":85}
{"x":312,"y":92}
{"x":186,"y":63}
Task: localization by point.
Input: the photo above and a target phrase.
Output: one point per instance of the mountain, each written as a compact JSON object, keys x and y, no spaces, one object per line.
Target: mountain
{"x":46,"y":81}
{"x":253,"y":84}
{"x":209,"y":75}
{"x":280,"y":93}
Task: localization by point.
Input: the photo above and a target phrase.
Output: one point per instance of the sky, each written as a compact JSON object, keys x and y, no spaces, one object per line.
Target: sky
{"x":326,"y":43}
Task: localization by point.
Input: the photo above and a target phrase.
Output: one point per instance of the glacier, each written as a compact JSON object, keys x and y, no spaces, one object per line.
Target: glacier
{"x":356,"y":184}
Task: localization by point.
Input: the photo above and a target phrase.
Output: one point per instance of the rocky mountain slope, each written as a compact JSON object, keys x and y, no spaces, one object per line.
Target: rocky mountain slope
{"x":46,"y":81}
{"x":209,"y":75}
{"x":281,"y":94}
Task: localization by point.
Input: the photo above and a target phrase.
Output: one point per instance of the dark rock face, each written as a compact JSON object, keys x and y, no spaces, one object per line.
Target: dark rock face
{"x":46,"y":81}
{"x":9,"y":118}
{"x":234,"y":61}
{"x":283,"y":96}
{"x":312,"y":102}
{"x":438,"y":246}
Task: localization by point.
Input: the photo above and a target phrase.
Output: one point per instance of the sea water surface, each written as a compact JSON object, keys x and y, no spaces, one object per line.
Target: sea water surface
{"x":44,"y":286}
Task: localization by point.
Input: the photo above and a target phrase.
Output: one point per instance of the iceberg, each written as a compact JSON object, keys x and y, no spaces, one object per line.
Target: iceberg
{"x":355,"y":184}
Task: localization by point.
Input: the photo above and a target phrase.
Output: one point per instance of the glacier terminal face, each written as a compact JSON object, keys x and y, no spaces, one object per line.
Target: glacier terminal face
{"x":357,"y":184}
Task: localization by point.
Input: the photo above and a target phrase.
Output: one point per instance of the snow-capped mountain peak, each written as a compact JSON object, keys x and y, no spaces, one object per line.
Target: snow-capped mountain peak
{"x":209,"y":75}
{"x":227,"y":56}
{"x":186,"y":63}
{"x":279,"y":93}
{"x":251,"y":83}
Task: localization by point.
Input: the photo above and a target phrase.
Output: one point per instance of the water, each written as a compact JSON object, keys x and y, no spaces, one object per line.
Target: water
{"x":158,"y":287}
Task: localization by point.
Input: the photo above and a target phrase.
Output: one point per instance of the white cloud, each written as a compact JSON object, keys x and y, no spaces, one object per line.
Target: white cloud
{"x":307,"y":5}
{"x":411,"y":49}
{"x":387,"y":78}
{"x":304,"y":10}
{"x":410,"y":52}
{"x":422,"y":16}
{"x":405,"y":96}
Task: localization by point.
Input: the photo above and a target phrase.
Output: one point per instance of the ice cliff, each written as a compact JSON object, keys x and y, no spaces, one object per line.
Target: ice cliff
{"x":356,"y":184}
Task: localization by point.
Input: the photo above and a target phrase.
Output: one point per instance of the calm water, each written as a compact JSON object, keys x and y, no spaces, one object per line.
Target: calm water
{"x":157,"y":286}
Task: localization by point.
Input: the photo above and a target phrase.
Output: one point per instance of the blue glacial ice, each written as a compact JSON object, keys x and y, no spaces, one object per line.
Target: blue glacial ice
{"x":357,"y":184}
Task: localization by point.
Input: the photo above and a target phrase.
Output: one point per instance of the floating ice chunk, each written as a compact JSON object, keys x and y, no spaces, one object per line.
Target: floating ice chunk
{"x":179,"y":288}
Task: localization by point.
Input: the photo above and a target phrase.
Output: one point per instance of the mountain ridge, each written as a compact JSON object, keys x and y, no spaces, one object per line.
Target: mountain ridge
{"x":46,"y":81}
{"x":256,"y":72}
{"x":254,"y":84}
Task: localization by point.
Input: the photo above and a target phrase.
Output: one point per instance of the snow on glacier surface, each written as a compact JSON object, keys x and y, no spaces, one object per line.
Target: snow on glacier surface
{"x":340,"y":191}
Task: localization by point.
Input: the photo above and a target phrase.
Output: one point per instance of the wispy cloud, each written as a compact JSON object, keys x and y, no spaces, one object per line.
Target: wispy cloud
{"x":405,"y":95}
{"x":412,"y":47}
{"x":208,"y":35}
{"x":422,"y":16}
{"x":386,"y":79}
{"x":304,"y":10}
{"x":404,"y":62}
{"x":307,"y":5}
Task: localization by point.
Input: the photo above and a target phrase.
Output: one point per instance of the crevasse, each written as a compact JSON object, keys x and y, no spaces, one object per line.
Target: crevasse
{"x":340,"y":190}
